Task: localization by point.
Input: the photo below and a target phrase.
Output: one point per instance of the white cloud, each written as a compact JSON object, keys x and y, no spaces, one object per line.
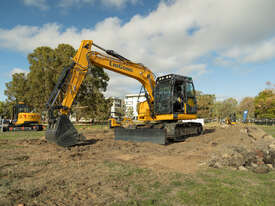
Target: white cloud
{"x":18,"y":70}
{"x":41,"y":4}
{"x":196,"y":69}
{"x":234,"y":30}
{"x":258,"y":52}
{"x":119,"y":85}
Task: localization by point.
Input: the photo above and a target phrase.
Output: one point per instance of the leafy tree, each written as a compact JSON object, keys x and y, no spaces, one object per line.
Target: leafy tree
{"x":247,"y":104}
{"x":265,"y":104}
{"x":5,"y":110}
{"x":46,"y":64}
{"x":17,"y":88}
{"x":205,"y":104}
{"x":225,"y":108}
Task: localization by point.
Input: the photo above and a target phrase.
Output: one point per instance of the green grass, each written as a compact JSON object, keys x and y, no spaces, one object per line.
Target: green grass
{"x":36,"y":134}
{"x":269,"y":130}
{"x":226,"y":187}
{"x":211,"y":187}
{"x":14,"y":135}
{"x":91,"y":126}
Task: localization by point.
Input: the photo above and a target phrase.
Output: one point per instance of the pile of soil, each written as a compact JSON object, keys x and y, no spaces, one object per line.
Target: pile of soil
{"x":251,"y":149}
{"x":237,"y":147}
{"x":229,"y":146}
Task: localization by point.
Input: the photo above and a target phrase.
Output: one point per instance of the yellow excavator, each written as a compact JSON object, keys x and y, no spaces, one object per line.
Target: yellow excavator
{"x":169,"y":99}
{"x":23,"y":119}
{"x":231,"y":119}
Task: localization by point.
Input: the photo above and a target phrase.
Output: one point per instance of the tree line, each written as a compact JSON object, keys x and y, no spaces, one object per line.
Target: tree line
{"x":260,"y":107}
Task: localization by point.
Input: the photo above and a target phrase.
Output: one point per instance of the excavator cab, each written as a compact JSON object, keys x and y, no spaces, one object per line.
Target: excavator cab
{"x":19,"y":108}
{"x":174,"y":94}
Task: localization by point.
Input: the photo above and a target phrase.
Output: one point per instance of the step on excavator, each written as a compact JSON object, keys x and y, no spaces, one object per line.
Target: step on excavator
{"x":169,"y":100}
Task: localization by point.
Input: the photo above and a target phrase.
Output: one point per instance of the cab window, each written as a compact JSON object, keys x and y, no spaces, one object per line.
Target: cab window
{"x":190,"y":90}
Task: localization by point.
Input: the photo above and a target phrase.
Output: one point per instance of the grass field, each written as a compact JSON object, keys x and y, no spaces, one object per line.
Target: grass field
{"x":22,"y":135}
{"x":208,"y":187}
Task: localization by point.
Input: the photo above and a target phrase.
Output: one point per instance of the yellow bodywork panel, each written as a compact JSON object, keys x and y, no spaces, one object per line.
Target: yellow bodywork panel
{"x":143,"y":111}
{"x":144,"y":114}
{"x":28,"y":117}
{"x":124,"y":123}
{"x":78,"y":74}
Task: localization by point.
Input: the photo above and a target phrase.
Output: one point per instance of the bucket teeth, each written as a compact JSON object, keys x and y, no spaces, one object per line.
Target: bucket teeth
{"x":62,"y":132}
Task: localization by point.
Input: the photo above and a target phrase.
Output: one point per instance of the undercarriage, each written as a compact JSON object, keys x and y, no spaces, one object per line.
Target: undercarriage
{"x":159,"y":133}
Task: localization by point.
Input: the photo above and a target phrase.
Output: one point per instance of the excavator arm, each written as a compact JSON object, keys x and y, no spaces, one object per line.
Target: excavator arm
{"x":60,"y":129}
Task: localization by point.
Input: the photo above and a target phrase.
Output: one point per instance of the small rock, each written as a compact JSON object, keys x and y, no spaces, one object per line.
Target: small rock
{"x":253,"y":164}
{"x":244,"y":130}
{"x":268,"y":159}
{"x":236,"y":160}
{"x":242,"y":168}
{"x":261,"y":169}
{"x":270,"y":166}
{"x":260,"y":162}
{"x":217,"y":165}
{"x":259,"y":154}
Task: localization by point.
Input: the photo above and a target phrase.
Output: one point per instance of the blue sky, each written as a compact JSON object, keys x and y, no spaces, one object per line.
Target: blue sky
{"x":228,"y":47}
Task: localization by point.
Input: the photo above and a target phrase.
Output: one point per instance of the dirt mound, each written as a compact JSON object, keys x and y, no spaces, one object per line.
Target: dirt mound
{"x":234,"y":147}
{"x":251,"y":149}
{"x":231,"y":146}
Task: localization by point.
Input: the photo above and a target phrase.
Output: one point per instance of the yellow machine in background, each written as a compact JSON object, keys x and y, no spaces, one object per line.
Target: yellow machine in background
{"x":113,"y":123}
{"x":23,"y":119}
{"x":169,"y":99}
{"x":125,"y":122}
{"x":231,"y":119}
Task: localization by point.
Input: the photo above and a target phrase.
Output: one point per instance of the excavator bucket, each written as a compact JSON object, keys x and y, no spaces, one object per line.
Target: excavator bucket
{"x":62,"y":132}
{"x":153,"y":135}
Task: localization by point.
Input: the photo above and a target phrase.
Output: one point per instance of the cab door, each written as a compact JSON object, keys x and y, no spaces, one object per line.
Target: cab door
{"x":190,"y":98}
